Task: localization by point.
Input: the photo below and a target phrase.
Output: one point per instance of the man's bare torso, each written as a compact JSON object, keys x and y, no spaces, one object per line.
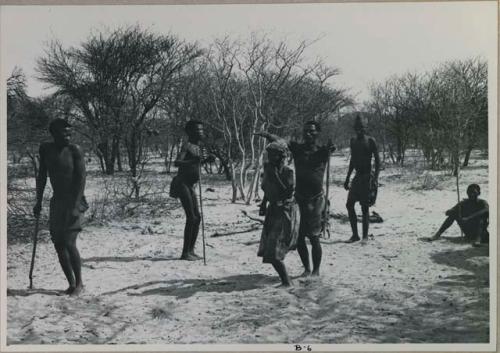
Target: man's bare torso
{"x":361,"y":154}
{"x":59,"y":161}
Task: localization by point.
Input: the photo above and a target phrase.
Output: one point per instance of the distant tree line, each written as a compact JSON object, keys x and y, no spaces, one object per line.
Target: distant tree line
{"x":443,"y":112}
{"x":129,"y":92}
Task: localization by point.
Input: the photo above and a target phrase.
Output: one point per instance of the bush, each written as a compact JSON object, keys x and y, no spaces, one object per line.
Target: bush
{"x":427,"y":182}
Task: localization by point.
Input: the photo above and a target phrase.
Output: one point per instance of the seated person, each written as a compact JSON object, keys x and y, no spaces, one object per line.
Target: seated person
{"x":471,"y":215}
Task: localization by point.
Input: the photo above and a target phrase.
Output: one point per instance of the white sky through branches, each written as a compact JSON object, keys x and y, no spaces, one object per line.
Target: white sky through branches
{"x":367,"y":42}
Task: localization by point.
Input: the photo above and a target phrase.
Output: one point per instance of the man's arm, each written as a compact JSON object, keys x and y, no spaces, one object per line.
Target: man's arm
{"x":181,"y":161}
{"x":79,"y":178}
{"x":376,"y":157}
{"x":483,"y":211}
{"x":292,"y":146}
{"x":263,"y":206}
{"x":268,"y":136}
{"x":41,"y":181}
{"x":349,"y":171}
{"x":327,"y":150}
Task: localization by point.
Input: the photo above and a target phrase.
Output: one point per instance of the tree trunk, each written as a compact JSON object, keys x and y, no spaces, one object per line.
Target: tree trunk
{"x":170,"y":157}
{"x":34,"y":162}
{"x":399,"y":146}
{"x":108,"y":157}
{"x":257,"y":187}
{"x":234,"y":187}
{"x":467,"y":157}
{"x":391,"y":154}
{"x":383,"y":149}
{"x":455,"y":163}
{"x":101,"y":161}
{"x":132,"y":154}
{"x":109,"y":165}
{"x":119,"y":159}
{"x":254,"y":182}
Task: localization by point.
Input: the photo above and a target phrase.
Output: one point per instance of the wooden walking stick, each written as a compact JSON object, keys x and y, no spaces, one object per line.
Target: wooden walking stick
{"x":326,"y":212}
{"x":35,"y":239}
{"x":202,"y":220}
{"x":458,"y":197}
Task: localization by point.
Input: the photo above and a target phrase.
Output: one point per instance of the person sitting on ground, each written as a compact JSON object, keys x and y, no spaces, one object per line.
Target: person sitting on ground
{"x":471,"y":216}
{"x":281,"y":223}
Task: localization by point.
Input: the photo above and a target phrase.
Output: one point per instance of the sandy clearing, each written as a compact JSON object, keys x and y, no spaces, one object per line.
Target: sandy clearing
{"x":393,"y":289}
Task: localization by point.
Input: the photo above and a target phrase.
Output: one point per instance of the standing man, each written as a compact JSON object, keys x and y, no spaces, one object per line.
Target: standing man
{"x":65,"y":165}
{"x":364,"y":184}
{"x":310,"y":161}
{"x":182,"y":186}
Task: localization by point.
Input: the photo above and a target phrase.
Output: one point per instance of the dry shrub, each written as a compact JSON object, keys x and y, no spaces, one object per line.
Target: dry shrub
{"x":20,"y":201}
{"x":427,"y":182}
{"x":116,"y":199}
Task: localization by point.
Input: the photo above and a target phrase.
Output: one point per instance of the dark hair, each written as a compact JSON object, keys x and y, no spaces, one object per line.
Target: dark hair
{"x":191,"y":124}
{"x":315,"y":123}
{"x":58,"y":124}
{"x":358,"y":122}
{"x":474,"y":186}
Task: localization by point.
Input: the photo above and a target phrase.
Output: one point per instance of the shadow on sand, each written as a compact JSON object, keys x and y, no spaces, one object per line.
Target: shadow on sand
{"x":479,"y":272}
{"x":28,"y":292}
{"x":440,"y":314}
{"x":187,"y":288}
{"x":127,"y":259}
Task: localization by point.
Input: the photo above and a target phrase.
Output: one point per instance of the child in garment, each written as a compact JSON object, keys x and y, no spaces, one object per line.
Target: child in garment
{"x":281,"y":223}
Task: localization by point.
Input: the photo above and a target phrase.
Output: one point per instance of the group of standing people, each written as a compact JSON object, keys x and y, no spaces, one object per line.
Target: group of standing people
{"x":293,"y":205}
{"x":297,"y":205}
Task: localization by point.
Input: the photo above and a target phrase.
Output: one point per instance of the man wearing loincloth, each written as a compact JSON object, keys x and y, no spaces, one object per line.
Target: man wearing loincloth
{"x":65,"y":165}
{"x":471,"y":215}
{"x":364,"y":184}
{"x":310,"y":161}
{"x":182,"y":186}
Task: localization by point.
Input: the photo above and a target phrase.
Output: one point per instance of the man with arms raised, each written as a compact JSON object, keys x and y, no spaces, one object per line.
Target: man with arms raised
{"x":65,"y":165}
{"x":310,"y":163}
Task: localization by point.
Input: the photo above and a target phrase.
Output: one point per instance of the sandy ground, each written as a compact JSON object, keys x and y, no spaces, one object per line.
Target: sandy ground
{"x":392,"y":289}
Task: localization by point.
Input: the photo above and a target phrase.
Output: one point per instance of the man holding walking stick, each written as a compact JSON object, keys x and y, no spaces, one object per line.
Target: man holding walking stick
{"x":64,"y":163}
{"x":183,"y":185}
{"x":35,"y":240}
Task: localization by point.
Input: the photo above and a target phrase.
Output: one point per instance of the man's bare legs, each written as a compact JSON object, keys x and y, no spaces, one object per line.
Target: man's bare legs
{"x":196,"y":225}
{"x":64,"y":260}
{"x":76,"y":263}
{"x":353,"y":220}
{"x":446,"y":224}
{"x":316,"y":253}
{"x":304,"y":255}
{"x":70,"y":261}
{"x":366,"y":220}
{"x":190,"y":206}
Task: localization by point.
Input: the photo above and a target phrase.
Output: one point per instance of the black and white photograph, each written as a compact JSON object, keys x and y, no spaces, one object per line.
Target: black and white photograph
{"x":273,"y":177}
